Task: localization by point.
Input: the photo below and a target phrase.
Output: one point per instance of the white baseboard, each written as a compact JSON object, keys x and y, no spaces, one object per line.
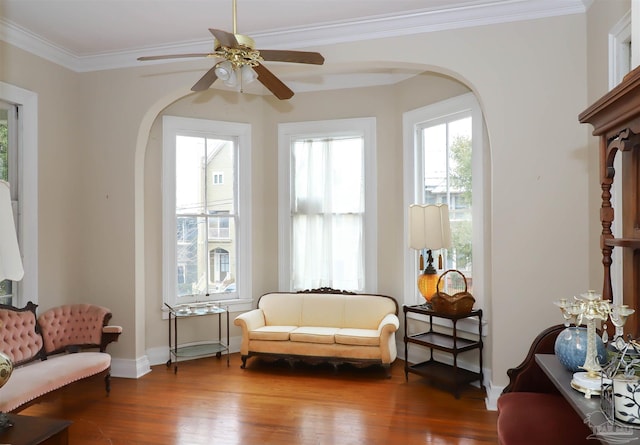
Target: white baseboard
{"x":130,"y":369}
{"x":493,"y":392}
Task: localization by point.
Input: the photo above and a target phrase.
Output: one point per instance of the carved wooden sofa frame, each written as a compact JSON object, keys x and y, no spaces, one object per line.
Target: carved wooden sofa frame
{"x":531,"y":410}
{"x":63,"y":345}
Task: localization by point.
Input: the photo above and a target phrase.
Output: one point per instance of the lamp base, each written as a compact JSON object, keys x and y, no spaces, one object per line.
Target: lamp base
{"x":427,"y":283}
{"x":586,"y":384}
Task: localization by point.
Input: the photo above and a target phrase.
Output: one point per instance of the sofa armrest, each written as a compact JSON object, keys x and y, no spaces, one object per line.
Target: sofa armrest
{"x":389,"y":324}
{"x":387,"y":328}
{"x":109,"y":334}
{"x":249,"y":321}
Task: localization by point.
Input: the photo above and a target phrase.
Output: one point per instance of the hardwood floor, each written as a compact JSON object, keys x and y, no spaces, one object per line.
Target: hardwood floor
{"x":270,"y":403}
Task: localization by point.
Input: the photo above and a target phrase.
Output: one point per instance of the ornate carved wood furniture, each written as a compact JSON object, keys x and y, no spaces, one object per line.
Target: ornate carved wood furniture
{"x":63,"y":345}
{"x":616,"y":120}
{"x":531,"y":410}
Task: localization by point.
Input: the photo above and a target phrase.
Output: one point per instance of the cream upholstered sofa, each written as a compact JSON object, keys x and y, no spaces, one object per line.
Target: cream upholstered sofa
{"x":63,"y":345}
{"x":322,"y":325}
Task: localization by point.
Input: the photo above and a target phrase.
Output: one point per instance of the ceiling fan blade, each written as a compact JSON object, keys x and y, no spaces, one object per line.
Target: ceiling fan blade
{"x":175,"y":56}
{"x":275,"y":85}
{"x":205,"y":81}
{"x":225,"y":38}
{"x":275,"y":55}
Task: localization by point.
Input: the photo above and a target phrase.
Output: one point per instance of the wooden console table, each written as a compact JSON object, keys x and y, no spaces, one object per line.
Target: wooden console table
{"x":28,"y":430}
{"x":588,"y":409}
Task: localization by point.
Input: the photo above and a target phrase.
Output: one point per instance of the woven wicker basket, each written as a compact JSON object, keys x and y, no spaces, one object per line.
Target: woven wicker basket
{"x":459,"y":303}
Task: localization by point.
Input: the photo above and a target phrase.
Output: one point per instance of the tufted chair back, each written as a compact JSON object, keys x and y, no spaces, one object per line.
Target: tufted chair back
{"x":20,"y":337}
{"x":73,"y":324}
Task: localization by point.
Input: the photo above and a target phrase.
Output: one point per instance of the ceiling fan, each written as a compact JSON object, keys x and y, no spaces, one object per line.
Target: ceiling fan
{"x":241,"y":62}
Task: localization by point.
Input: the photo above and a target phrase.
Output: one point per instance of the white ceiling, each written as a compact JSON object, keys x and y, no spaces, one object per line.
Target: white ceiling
{"x":90,"y":35}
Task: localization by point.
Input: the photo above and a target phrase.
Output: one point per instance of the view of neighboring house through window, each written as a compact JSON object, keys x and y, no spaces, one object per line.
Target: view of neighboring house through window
{"x":8,"y":172}
{"x":203,"y":216}
{"x":328,"y":206}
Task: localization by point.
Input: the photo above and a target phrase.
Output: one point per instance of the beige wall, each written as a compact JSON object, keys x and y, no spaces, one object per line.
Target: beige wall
{"x":99,"y":197}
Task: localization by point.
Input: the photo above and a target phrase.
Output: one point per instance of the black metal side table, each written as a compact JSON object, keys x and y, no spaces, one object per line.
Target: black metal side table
{"x":453,"y":376}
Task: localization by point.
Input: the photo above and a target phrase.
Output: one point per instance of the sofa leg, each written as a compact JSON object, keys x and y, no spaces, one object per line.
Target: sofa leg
{"x":244,"y":361}
{"x":107,"y":383}
{"x":387,"y":370}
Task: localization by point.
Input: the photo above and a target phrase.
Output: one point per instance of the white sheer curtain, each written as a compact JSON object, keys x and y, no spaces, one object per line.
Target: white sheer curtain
{"x":328,"y":213}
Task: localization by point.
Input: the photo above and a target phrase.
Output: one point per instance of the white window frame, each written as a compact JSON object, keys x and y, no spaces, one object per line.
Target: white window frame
{"x":413,"y":121}
{"x":287,"y":132}
{"x":241,"y":299}
{"x":27,"y":220}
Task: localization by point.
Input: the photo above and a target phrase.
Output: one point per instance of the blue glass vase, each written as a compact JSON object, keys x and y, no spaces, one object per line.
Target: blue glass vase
{"x":571,"y":348}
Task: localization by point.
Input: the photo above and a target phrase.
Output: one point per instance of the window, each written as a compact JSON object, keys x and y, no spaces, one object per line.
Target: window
{"x":327,"y":205}
{"x":205,"y":221}
{"x":219,"y":226}
{"x":444,"y":165}
{"x":9,"y":172}
{"x":217,"y":178}
{"x":23,"y":177}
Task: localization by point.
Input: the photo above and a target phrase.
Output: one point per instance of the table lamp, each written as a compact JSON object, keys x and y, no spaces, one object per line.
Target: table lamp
{"x":10,"y":268}
{"x":429,"y":229}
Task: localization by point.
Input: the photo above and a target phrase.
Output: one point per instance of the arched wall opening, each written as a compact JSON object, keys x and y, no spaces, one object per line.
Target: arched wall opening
{"x":386,"y":103}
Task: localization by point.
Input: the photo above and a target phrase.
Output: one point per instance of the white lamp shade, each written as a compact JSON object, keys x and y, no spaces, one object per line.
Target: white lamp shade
{"x":429,"y":227}
{"x":10,"y":261}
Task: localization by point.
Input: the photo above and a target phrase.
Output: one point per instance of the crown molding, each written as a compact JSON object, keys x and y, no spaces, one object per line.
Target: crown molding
{"x":376,"y":27}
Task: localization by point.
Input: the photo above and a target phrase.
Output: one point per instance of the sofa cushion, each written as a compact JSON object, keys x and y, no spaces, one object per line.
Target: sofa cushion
{"x":367,"y":311}
{"x":34,"y":380}
{"x":72,"y":324}
{"x":358,"y":337}
{"x":323,"y":310}
{"x":281,"y":309}
{"x":314,"y":334}
{"x":20,"y":337}
{"x":278,"y":333}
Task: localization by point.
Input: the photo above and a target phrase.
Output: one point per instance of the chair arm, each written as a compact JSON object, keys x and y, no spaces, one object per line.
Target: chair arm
{"x":109,"y":334}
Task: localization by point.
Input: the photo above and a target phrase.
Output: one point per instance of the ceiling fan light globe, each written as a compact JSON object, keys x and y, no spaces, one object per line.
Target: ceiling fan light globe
{"x":248,"y":74}
{"x":224,"y":71}
{"x":232,"y":80}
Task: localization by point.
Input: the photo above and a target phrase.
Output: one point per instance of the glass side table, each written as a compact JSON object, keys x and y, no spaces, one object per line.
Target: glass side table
{"x":204,"y":349}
